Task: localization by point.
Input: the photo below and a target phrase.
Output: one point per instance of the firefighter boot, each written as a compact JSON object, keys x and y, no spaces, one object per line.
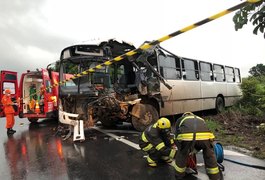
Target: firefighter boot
{"x":151,"y":162}
{"x":9,"y":131}
{"x":166,"y":159}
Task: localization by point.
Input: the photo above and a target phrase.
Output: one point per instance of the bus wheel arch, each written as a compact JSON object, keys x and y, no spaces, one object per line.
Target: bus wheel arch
{"x":219,"y":104}
{"x":143,"y":115}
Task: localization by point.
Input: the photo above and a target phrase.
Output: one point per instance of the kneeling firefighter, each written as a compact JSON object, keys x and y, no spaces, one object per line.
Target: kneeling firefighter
{"x":192,"y":134}
{"x":157,"y":143}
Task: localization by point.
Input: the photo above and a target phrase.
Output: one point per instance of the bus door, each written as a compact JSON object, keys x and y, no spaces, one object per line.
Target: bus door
{"x":46,"y":93}
{"x":8,"y":79}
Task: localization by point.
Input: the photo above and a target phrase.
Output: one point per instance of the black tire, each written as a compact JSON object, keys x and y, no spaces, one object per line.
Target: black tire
{"x":146,"y":117}
{"x":219,"y":104}
{"x":33,"y":120}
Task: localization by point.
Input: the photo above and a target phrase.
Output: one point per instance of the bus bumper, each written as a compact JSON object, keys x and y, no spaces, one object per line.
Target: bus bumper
{"x":67,"y":118}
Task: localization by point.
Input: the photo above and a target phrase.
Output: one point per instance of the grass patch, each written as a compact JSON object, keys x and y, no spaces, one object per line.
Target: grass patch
{"x":259,"y":154}
{"x":216,"y":128}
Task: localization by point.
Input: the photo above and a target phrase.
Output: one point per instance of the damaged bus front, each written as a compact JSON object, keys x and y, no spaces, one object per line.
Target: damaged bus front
{"x":125,"y":91}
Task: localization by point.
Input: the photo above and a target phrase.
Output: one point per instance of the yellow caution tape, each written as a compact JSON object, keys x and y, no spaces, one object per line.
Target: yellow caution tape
{"x":153,"y":43}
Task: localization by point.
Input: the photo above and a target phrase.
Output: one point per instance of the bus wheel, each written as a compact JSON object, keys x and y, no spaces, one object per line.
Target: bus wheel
{"x":33,"y":120}
{"x":220,"y":104}
{"x":143,"y":115}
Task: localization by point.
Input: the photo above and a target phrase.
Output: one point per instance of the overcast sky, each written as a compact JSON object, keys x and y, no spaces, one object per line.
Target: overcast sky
{"x":33,"y":32}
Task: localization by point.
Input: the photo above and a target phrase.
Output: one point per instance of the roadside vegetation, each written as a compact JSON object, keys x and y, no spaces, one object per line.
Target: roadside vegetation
{"x":244,"y":124}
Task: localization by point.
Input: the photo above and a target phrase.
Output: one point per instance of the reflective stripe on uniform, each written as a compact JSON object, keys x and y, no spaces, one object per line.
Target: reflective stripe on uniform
{"x":199,"y":136}
{"x":160,"y":146}
{"x":148,"y":147}
{"x":172,"y":153}
{"x":171,"y":141}
{"x":144,"y":138}
{"x":179,"y":169}
{"x":151,"y":162}
{"x":189,"y":117}
{"x":212,"y":170}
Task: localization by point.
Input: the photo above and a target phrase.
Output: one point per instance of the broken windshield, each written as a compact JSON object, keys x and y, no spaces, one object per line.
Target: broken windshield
{"x":71,"y":67}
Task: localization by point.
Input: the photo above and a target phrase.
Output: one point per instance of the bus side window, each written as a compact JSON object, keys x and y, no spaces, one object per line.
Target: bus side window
{"x":237,"y":75}
{"x":219,"y":73}
{"x":190,"y":69}
{"x":206,"y":71}
{"x":229,"y":73}
{"x":170,"y":67}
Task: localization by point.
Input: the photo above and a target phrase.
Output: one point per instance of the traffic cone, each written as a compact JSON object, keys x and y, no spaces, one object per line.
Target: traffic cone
{"x":37,"y":107}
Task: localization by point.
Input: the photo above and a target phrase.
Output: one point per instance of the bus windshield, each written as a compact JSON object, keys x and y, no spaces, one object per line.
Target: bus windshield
{"x":85,"y":83}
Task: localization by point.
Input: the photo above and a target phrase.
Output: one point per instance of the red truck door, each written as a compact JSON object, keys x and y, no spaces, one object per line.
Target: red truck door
{"x":8,"y":79}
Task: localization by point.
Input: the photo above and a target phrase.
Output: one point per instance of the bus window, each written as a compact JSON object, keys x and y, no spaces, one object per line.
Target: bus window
{"x":219,"y":73}
{"x":206,"y":71}
{"x":170,"y":67}
{"x":237,"y":75}
{"x":229,"y":73}
{"x":190,"y":69}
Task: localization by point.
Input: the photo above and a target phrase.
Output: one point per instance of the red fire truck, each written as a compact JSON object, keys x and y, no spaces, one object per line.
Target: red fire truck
{"x":8,"y":79}
{"x":38,"y":99}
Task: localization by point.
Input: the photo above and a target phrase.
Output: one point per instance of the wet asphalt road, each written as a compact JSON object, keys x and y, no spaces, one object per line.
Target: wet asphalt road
{"x":34,"y":152}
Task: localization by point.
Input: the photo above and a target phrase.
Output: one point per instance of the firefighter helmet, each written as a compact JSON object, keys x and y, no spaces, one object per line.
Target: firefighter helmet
{"x":163,"y":123}
{"x":187,"y":114}
{"x":7,"y":91}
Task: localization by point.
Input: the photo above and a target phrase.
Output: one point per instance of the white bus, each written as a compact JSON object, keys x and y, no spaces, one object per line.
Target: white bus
{"x":140,"y":88}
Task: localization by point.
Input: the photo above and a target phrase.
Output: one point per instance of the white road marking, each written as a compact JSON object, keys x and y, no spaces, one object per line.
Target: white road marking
{"x":232,"y":153}
{"x":121,"y":131}
{"x":119,"y":138}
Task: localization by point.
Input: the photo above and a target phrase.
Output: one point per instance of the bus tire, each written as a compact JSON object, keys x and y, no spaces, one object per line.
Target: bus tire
{"x":219,"y":104}
{"x":33,"y":120}
{"x":143,"y":115}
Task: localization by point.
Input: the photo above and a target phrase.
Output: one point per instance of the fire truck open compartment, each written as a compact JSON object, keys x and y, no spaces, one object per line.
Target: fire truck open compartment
{"x":30,"y":80}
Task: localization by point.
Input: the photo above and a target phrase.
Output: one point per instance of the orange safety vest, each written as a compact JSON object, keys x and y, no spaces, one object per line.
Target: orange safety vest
{"x":7,"y":103}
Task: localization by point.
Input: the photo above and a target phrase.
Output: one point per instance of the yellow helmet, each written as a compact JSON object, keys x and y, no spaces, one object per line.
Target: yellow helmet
{"x":187,"y":114}
{"x":163,"y":123}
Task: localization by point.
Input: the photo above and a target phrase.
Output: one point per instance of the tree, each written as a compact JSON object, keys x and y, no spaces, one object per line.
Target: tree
{"x":258,"y":70}
{"x":253,"y":12}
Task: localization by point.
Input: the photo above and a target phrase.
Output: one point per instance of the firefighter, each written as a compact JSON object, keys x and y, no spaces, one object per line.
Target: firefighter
{"x":9,"y":111}
{"x":156,"y":142}
{"x":33,"y":97}
{"x":33,"y":92}
{"x":193,"y":134}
